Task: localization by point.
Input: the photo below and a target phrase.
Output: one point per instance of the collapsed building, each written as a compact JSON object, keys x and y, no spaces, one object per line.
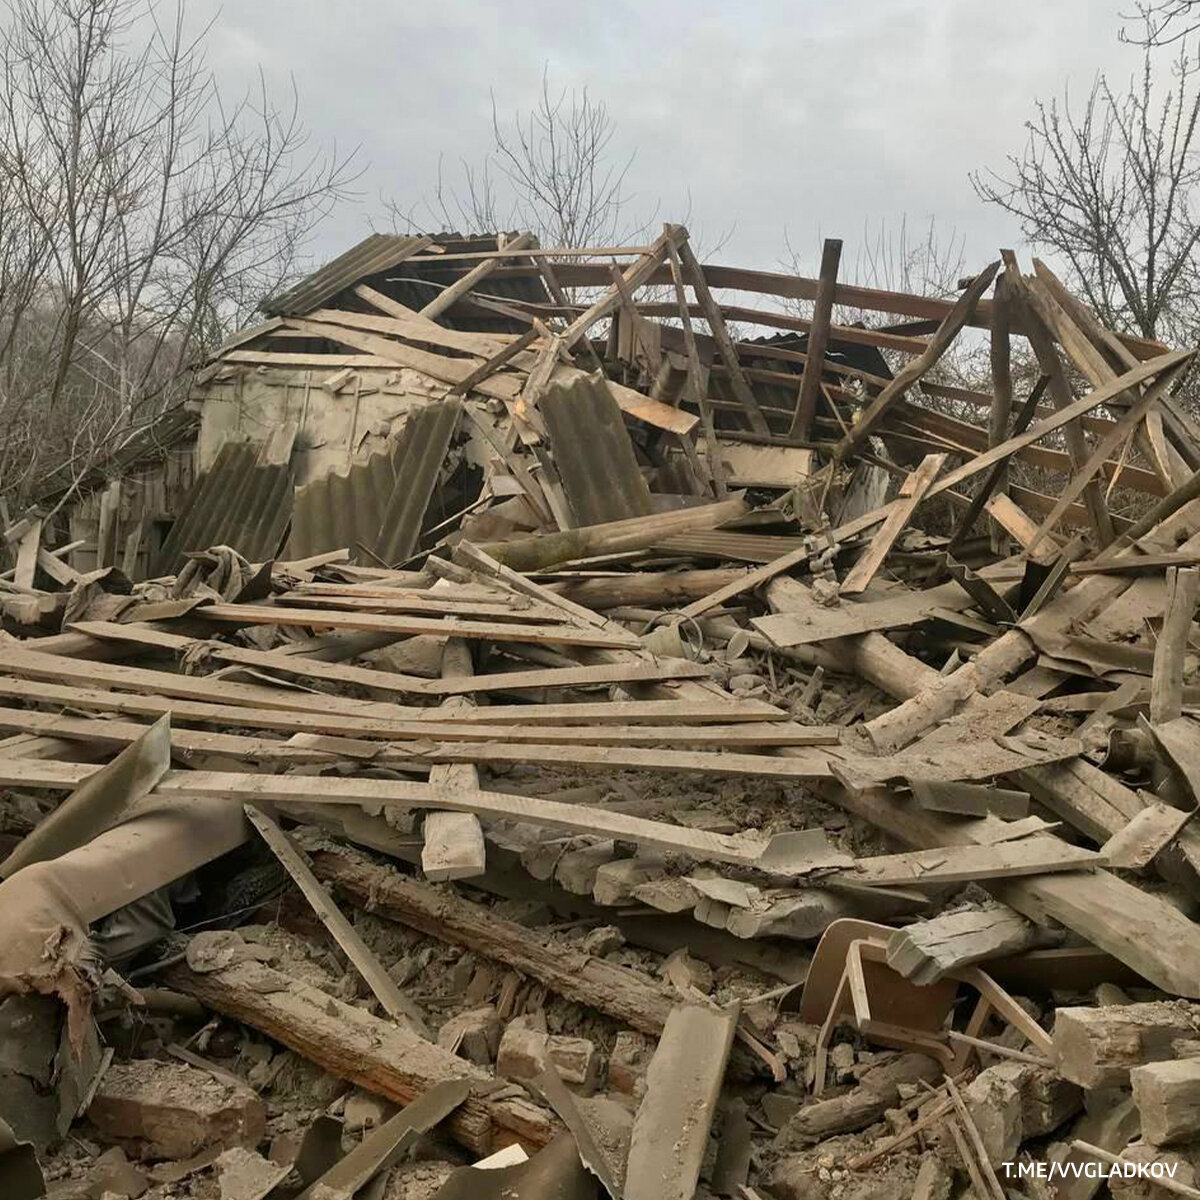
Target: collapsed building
{"x":509,"y":714}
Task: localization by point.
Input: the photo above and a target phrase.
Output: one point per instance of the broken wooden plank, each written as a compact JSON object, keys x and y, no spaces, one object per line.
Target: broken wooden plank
{"x":27,"y":554}
{"x":1166,"y":687}
{"x":263,"y":614}
{"x":1020,"y":526}
{"x":812,"y":622}
{"x":381,"y":1056}
{"x":670,"y":1131}
{"x":304,"y":666}
{"x":1137,"y":844}
{"x":969,"y":799}
{"x":818,"y":337}
{"x":912,"y":372}
{"x":1084,"y":472}
{"x":961,"y":864}
{"x":632,"y":277}
{"x":453,"y":846}
{"x":927,"y":951}
{"x":697,"y":380}
{"x":716,"y":323}
{"x":1064,"y":416}
{"x":493,"y":364}
{"x":384,"y":988}
{"x":1140,"y":929}
{"x":912,"y":492}
{"x":746,"y":582}
{"x":257,"y":789}
{"x":475,"y":276}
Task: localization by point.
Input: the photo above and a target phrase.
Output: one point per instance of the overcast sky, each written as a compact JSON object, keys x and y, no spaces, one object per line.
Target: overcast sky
{"x":806,"y":119}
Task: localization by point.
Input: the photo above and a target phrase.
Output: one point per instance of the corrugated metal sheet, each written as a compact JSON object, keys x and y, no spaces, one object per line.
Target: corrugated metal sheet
{"x":593,"y":452}
{"x":373,"y":254}
{"x":236,"y":503}
{"x":375,"y":509}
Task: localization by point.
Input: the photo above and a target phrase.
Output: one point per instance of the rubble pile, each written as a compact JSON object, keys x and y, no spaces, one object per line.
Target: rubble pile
{"x":650,"y":762}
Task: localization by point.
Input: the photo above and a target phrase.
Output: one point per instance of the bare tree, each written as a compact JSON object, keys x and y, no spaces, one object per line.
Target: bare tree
{"x":1161,"y":22}
{"x":1112,"y":187}
{"x":141,"y":213}
{"x":554,"y":170}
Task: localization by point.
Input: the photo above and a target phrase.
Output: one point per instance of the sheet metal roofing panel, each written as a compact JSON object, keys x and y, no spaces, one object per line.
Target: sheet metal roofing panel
{"x":379,"y":252}
{"x":236,"y":503}
{"x":593,"y":452}
{"x":376,"y":508}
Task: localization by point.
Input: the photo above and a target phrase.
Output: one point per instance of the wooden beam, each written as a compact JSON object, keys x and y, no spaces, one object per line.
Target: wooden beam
{"x":799,"y":287}
{"x":716,"y":322}
{"x":1102,"y":395}
{"x":953,"y":322}
{"x":633,"y":277}
{"x":810,"y":381}
{"x":697,"y":380}
{"x":380,"y":1056}
{"x":621,"y":993}
{"x":1124,"y":427}
{"x":393,"y":1000}
{"x":460,"y":287}
{"x":1166,"y":687}
{"x":912,"y":492}
{"x":1002,"y":386}
{"x":494,"y":363}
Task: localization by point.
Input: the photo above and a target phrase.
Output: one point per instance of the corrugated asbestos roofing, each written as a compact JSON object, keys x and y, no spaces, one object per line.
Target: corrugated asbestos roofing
{"x":593,"y":452}
{"x":376,"y":508}
{"x":372,"y":255}
{"x":237,"y":503}
{"x":414,"y":284}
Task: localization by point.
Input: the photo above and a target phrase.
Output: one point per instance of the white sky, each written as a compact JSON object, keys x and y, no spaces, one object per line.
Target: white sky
{"x":810,"y":118}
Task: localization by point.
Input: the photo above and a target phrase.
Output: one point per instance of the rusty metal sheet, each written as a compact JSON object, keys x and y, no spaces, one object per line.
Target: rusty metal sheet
{"x":237,"y":503}
{"x":593,"y":452}
{"x":375,"y":510}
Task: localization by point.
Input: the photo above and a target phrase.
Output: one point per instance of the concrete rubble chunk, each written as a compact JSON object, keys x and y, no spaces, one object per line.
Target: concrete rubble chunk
{"x":934,"y":1180}
{"x":1167,"y":1095}
{"x":993,"y":1099}
{"x":473,"y":1035}
{"x":524,"y":1052}
{"x":1097,"y":1047}
{"x":160,"y":1110}
{"x":628,"y":1061}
